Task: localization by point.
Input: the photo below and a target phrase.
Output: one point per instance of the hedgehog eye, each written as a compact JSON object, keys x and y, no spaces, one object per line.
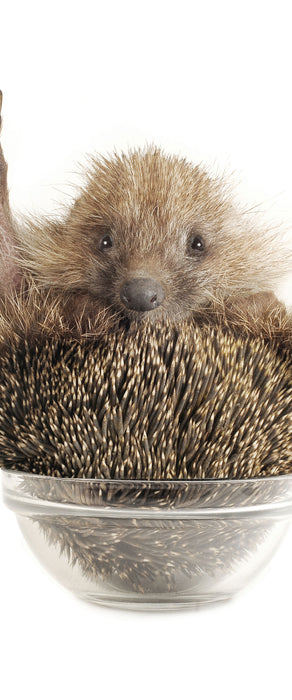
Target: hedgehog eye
{"x":106,"y":242}
{"x":197,"y":244}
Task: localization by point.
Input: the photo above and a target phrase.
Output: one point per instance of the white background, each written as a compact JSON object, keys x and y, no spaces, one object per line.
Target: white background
{"x":210,"y":80}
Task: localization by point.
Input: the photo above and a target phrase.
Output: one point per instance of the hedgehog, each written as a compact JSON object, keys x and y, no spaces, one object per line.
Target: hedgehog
{"x":140,"y":339}
{"x":180,"y":403}
{"x":149,"y":237}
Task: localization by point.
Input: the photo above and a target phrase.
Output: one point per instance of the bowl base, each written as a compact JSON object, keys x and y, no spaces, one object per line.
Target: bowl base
{"x":154,"y":604}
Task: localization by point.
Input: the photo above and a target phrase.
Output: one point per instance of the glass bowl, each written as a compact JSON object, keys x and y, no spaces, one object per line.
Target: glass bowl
{"x":151,"y":544}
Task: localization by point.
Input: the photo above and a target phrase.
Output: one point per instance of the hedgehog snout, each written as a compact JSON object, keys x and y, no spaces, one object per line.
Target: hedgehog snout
{"x":142,"y":294}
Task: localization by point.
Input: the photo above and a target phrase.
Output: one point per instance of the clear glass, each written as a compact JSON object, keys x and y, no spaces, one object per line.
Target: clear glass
{"x":151,"y":544}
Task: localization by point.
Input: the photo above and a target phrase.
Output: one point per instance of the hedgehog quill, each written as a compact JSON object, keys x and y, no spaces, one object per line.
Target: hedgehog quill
{"x":194,"y":401}
{"x":170,"y":405}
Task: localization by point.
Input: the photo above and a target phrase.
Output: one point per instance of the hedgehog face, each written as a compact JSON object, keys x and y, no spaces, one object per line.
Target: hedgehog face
{"x":139,"y":276}
{"x":138,"y":270}
{"x":146,"y":237}
{"x":151,"y":235}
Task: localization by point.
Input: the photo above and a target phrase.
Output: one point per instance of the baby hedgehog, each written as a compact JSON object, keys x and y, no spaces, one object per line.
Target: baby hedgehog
{"x":149,"y":236}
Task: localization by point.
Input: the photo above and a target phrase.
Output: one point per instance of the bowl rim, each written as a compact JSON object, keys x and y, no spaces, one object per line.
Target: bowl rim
{"x":153,"y":482}
{"x":277,"y":505}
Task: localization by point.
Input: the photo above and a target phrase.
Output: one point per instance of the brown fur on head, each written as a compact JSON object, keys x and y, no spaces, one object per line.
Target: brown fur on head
{"x":150,"y":236}
{"x":147,"y":215}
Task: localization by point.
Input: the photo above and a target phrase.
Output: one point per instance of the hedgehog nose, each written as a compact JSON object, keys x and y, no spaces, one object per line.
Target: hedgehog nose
{"x":142,"y":294}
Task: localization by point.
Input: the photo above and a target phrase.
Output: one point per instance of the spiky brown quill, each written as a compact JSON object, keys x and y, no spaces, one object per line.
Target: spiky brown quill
{"x":171,"y":402}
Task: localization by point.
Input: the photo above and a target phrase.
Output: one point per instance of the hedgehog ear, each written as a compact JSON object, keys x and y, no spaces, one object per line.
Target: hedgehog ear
{"x":9,"y":271}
